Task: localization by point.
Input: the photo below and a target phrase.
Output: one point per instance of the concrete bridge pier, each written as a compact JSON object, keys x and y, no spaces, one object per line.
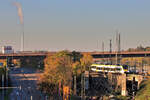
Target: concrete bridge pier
{"x":140,"y":79}
{"x":123,"y":85}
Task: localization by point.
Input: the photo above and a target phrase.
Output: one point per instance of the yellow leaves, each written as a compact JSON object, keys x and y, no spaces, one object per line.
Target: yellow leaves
{"x":76,"y":68}
{"x":63,"y":53}
{"x":58,"y":67}
{"x":86,"y":61}
{"x":76,"y":65}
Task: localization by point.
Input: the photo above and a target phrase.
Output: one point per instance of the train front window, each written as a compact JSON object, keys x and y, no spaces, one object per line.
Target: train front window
{"x":93,"y":66}
{"x":125,"y":66}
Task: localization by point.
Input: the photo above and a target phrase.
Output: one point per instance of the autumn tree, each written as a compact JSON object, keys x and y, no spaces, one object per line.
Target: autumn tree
{"x":76,"y":56}
{"x":86,"y":61}
{"x":60,"y":69}
{"x":57,"y":73}
{"x":76,"y":68}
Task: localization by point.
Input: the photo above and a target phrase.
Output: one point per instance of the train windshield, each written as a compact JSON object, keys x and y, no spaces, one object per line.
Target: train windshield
{"x":125,"y":66}
{"x":93,"y":66}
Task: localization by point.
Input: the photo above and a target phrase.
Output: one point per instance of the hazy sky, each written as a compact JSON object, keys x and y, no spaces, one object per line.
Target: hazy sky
{"x":75,"y":24}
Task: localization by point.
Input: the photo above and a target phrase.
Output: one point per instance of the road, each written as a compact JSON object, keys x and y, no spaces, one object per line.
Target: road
{"x":25,"y":81}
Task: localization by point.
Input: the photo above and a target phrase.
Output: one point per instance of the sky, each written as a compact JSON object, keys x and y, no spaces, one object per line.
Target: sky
{"x":80,"y":25}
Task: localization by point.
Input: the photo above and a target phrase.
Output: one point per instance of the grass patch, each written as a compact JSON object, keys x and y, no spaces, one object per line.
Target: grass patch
{"x":119,"y":97}
{"x":7,"y":94}
{"x":75,"y":98}
{"x":144,"y":92}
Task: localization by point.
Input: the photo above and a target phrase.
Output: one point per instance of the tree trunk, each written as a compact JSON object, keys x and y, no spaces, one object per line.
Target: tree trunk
{"x":60,"y":91}
{"x":75,"y":85}
{"x":66,"y":92}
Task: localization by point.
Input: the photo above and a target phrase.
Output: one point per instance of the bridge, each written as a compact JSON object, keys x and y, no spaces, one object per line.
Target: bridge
{"x":120,"y":54}
{"x":94,"y":54}
{"x":20,"y":55}
{"x":38,"y":57}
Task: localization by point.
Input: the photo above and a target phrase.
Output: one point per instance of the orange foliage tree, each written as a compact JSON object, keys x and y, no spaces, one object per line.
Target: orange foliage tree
{"x":59,"y":69}
{"x":57,"y":73}
{"x":86,"y":61}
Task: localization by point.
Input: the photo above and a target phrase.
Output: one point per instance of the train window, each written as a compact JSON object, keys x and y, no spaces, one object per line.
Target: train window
{"x":99,"y":68}
{"x":105,"y":68}
{"x":109,"y":69}
{"x":118,"y":69}
{"x":112,"y":69}
{"x":93,"y":66}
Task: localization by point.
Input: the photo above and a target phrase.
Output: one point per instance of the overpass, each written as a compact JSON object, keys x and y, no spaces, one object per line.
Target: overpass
{"x":20,"y":55}
{"x":121,"y":54}
{"x":94,"y":54}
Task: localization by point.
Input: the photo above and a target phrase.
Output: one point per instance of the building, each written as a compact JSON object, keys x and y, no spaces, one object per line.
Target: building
{"x":7,"y":50}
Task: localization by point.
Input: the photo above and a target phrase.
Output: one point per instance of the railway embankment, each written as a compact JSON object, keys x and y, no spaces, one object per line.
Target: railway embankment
{"x":144,"y":92}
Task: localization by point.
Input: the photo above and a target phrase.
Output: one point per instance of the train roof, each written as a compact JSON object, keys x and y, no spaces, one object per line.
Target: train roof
{"x":103,"y":65}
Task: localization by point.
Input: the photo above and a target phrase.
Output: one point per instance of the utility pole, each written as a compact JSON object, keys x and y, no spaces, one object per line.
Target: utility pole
{"x":3,"y":86}
{"x":75,"y":85}
{"x":142,"y":66}
{"x":110,"y":46}
{"x":82,"y":86}
{"x":116,"y":47}
{"x":103,"y":51}
{"x":119,"y":48}
{"x":119,"y":43}
{"x":103,"y":47}
{"x":110,"y":51}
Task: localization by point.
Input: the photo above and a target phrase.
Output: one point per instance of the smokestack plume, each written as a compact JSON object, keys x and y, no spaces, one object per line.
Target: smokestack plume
{"x":20,"y":13}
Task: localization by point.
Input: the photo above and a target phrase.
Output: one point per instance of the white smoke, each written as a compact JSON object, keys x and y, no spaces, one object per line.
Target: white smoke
{"x":20,"y":13}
